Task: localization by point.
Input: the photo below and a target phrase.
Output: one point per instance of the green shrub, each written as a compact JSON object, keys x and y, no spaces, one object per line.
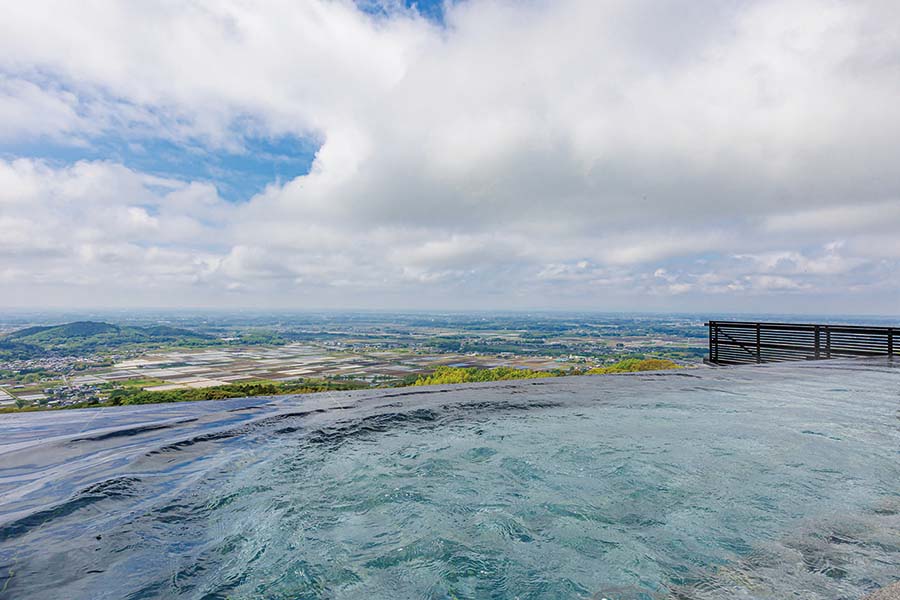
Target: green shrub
{"x":448,"y":375}
{"x":633,"y":365}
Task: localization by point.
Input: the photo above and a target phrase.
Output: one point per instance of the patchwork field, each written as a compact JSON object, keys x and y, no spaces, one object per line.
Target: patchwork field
{"x":165,"y":371}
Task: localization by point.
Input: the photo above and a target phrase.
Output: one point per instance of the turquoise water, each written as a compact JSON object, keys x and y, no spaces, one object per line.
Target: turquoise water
{"x":751,"y":482}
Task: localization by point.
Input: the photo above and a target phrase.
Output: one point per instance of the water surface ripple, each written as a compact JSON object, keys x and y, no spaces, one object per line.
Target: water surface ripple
{"x":763,"y":482}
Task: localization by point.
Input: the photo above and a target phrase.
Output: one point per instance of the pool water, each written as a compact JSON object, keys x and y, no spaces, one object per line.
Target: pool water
{"x":750,"y":482}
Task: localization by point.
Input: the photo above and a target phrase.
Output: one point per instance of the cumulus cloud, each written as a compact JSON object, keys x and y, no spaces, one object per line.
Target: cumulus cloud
{"x":605,"y":154}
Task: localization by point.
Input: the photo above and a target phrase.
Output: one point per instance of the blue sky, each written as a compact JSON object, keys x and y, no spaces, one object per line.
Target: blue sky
{"x":430,"y":9}
{"x":484,"y":154}
{"x":237,"y":174}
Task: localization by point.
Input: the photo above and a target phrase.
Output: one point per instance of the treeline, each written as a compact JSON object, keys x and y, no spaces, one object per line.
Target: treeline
{"x":634,"y":365}
{"x":448,"y":375}
{"x":127,"y":396}
{"x":451,"y":375}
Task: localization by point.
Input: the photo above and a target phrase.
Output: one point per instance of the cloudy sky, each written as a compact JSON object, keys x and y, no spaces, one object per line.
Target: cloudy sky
{"x":604,"y":154}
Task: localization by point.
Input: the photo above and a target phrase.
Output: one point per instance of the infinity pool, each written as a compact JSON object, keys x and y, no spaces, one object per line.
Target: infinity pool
{"x":753,"y":482}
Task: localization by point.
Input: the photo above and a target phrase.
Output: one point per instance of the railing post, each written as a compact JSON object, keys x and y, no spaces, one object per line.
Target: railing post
{"x":891,"y":342}
{"x":758,"y":345}
{"x":716,"y":341}
{"x":817,"y":341}
{"x":828,"y":341}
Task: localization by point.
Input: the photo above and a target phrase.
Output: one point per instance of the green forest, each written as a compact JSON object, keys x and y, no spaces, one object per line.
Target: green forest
{"x":87,"y":337}
{"x":450,"y":375}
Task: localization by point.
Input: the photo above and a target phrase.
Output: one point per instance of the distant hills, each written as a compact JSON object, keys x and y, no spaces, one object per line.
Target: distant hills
{"x":86,"y":337}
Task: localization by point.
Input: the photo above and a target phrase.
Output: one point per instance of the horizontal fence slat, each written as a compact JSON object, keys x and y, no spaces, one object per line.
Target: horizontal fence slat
{"x":747,"y":342}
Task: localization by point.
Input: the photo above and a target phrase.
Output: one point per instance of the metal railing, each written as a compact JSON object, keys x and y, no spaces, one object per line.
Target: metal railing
{"x":738,"y":343}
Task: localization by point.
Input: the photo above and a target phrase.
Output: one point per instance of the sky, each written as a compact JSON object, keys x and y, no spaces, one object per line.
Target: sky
{"x":660,"y":155}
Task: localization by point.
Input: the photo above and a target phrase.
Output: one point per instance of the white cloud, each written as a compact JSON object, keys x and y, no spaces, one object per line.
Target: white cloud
{"x":539,"y":152}
{"x":847,"y":219}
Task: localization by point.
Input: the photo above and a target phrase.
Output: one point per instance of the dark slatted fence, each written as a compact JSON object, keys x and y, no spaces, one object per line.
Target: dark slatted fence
{"x":737,"y":343}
